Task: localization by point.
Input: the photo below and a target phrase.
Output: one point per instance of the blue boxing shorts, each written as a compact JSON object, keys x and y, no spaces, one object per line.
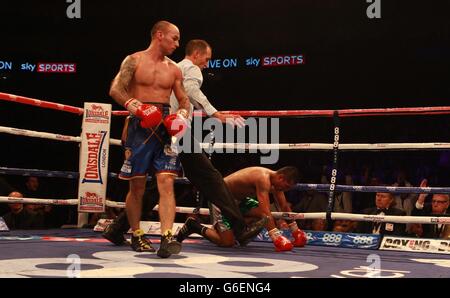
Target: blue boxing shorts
{"x":147,"y":150}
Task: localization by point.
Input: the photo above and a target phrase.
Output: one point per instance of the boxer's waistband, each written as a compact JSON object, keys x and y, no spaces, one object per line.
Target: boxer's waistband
{"x":157,"y":104}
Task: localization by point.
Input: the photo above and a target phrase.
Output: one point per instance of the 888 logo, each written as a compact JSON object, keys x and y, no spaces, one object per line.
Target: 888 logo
{"x":332,"y":238}
{"x":364,"y":240}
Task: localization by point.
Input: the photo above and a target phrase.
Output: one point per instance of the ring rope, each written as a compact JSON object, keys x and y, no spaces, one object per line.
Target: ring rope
{"x":441,"y":110}
{"x":39,"y":134}
{"x":61,"y":174}
{"x":364,"y":188}
{"x":47,"y":135}
{"x":363,"y":217}
{"x":40,"y":103}
{"x":283,"y":215}
{"x":249,"y":146}
{"x":299,"y":186}
{"x":11,"y":200}
{"x":326,"y":146}
{"x":49,"y":105}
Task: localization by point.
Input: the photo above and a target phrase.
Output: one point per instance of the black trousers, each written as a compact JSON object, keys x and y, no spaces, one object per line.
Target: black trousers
{"x":208,"y":180}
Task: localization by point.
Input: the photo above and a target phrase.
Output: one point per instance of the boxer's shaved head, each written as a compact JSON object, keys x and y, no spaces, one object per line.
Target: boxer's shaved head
{"x":162,"y":26}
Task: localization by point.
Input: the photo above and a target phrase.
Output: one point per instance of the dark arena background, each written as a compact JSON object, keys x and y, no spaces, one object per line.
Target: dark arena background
{"x":267,"y":55}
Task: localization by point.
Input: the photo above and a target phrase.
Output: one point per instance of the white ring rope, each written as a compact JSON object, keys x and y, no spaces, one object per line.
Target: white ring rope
{"x":38,"y":134}
{"x":14,"y":200}
{"x":364,"y":217}
{"x":65,"y":202}
{"x":326,"y":146}
{"x":46,"y":135}
{"x":283,"y":215}
{"x":244,"y":146}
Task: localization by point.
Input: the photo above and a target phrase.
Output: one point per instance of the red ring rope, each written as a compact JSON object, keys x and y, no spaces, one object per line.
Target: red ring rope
{"x":291,"y":113}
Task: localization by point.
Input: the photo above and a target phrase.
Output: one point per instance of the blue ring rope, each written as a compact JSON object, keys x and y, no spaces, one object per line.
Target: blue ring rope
{"x":299,"y":186}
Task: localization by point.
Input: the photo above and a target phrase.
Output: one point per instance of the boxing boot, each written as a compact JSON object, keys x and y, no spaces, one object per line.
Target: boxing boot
{"x":115,"y":231}
{"x":168,"y":245}
{"x":139,"y":243}
{"x":190,"y":226}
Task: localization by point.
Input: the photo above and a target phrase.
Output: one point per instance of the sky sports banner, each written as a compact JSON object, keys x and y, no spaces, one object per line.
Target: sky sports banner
{"x":441,"y":246}
{"x":335,"y":239}
{"x":42,"y":67}
{"x":94,"y":157}
{"x":257,"y":61}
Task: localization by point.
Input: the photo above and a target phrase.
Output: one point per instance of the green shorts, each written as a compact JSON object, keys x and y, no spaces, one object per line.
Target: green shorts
{"x":222,"y":222}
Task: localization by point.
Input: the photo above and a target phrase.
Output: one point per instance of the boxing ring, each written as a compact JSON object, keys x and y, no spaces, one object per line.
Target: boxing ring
{"x":54,"y":253}
{"x":84,"y":253}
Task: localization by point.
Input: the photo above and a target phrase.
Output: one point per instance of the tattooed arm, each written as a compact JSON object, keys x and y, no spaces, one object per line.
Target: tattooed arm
{"x":120,"y":84}
{"x":180,"y":93}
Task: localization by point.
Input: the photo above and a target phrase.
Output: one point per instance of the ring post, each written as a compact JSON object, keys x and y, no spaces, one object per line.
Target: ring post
{"x":94,"y":155}
{"x":330,"y":206}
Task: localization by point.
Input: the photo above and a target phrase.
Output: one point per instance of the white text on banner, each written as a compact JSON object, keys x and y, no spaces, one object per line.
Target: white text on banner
{"x":94,"y":154}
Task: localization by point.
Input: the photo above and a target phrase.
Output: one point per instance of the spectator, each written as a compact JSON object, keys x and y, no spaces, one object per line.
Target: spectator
{"x":5,"y":189}
{"x":384,"y":206}
{"x":404,"y":201}
{"x":344,"y":226}
{"x":363,"y":200}
{"x":446,"y":233}
{"x":343,"y":200}
{"x":414,"y":230}
{"x":32,"y":190}
{"x":32,"y":186}
{"x":311,"y":201}
{"x":21,"y":219}
{"x":319,"y":224}
{"x":54,"y":216}
{"x":438,"y":207}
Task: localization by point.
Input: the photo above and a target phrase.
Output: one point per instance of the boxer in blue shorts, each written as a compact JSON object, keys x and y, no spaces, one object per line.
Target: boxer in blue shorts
{"x":147,"y":150}
{"x":143,"y":86}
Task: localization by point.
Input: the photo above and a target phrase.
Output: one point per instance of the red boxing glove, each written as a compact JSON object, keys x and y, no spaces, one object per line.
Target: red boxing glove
{"x":300,"y":238}
{"x":149,"y":114}
{"x":282,"y":243}
{"x":176,"y":124}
